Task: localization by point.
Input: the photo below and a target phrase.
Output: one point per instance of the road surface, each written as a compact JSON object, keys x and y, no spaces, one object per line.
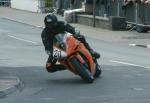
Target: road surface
{"x":125,"y":79}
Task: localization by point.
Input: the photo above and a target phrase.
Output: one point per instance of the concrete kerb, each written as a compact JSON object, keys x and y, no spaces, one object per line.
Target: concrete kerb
{"x":10,"y":84}
{"x":22,"y":22}
{"x":139,"y":45}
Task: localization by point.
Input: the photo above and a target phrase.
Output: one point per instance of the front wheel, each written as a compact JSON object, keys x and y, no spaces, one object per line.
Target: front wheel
{"x":83,"y":70}
{"x":98,"y":71}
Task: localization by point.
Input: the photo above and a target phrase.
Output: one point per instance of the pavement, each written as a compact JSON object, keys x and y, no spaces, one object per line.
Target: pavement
{"x":8,"y":83}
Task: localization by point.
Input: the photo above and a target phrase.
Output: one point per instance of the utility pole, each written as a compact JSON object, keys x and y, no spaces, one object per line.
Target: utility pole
{"x":136,"y":13}
{"x":94,"y":7}
{"x":118,"y":8}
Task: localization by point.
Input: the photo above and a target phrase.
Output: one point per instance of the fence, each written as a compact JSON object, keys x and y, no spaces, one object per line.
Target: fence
{"x":139,"y":14}
{"x":67,"y":4}
{"x":136,"y":13}
{"x":45,"y":5}
{"x":5,"y":3}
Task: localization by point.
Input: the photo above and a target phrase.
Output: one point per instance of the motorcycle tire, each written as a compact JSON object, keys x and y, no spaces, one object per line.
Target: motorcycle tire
{"x":83,"y":71}
{"x":98,"y":71}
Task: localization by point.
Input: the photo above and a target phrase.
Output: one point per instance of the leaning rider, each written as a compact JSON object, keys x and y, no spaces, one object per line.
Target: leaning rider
{"x":53,"y":27}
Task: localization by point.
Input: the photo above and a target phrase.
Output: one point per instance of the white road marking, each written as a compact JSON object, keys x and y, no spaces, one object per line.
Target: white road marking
{"x":132,"y":44}
{"x":148,"y":46}
{"x":22,"y":39}
{"x":138,"y":89}
{"x":48,"y":98}
{"x":40,"y":26}
{"x":120,"y":62}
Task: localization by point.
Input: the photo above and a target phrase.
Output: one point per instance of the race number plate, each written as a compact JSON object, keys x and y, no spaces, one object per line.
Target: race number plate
{"x":56,"y":53}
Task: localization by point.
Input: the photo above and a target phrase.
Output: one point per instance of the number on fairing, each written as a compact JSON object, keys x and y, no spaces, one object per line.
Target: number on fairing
{"x":57,"y":53}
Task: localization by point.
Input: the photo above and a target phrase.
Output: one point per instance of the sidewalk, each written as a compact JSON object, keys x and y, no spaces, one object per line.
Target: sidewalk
{"x":9,"y":84}
{"x":36,"y":19}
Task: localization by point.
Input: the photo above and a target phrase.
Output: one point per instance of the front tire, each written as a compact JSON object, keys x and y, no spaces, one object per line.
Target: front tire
{"x":83,"y":71}
{"x":98,"y":71}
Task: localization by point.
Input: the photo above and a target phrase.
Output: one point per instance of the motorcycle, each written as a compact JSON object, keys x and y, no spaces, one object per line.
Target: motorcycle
{"x":75,"y":57}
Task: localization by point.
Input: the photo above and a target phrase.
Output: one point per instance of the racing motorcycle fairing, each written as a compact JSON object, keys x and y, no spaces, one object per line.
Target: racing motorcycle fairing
{"x":66,"y":47}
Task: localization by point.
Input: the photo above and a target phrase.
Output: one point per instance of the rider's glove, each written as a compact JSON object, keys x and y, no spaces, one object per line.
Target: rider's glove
{"x":77,"y":32}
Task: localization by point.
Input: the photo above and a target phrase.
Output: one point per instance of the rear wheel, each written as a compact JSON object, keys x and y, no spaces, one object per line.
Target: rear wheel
{"x":83,"y":70}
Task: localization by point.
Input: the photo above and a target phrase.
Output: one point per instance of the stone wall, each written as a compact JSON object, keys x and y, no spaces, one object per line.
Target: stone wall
{"x":111,"y":23}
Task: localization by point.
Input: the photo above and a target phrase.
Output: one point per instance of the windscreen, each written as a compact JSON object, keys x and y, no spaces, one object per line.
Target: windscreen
{"x":59,"y":40}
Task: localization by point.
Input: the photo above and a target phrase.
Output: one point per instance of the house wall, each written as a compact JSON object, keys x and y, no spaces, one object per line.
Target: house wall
{"x":29,"y":5}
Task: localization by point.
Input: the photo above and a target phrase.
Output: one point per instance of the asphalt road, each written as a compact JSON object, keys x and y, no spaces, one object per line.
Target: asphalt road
{"x":126,"y":71}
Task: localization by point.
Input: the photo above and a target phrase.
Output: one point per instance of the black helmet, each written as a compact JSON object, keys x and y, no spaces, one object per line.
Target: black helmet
{"x":50,"y":21}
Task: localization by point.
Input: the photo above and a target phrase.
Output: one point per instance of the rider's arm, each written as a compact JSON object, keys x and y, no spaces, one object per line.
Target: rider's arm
{"x":47,"y":42}
{"x":63,"y":26}
{"x":52,"y":61}
{"x":67,"y":27}
{"x":72,"y":30}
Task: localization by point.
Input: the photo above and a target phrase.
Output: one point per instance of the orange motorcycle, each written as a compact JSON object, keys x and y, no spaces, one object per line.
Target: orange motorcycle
{"x":75,"y":57}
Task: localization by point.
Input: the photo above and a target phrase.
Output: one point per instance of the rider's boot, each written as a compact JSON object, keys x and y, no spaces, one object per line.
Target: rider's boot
{"x":93,"y":53}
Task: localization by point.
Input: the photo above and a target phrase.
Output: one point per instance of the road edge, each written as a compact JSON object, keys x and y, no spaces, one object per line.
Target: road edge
{"x":12,"y":88}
